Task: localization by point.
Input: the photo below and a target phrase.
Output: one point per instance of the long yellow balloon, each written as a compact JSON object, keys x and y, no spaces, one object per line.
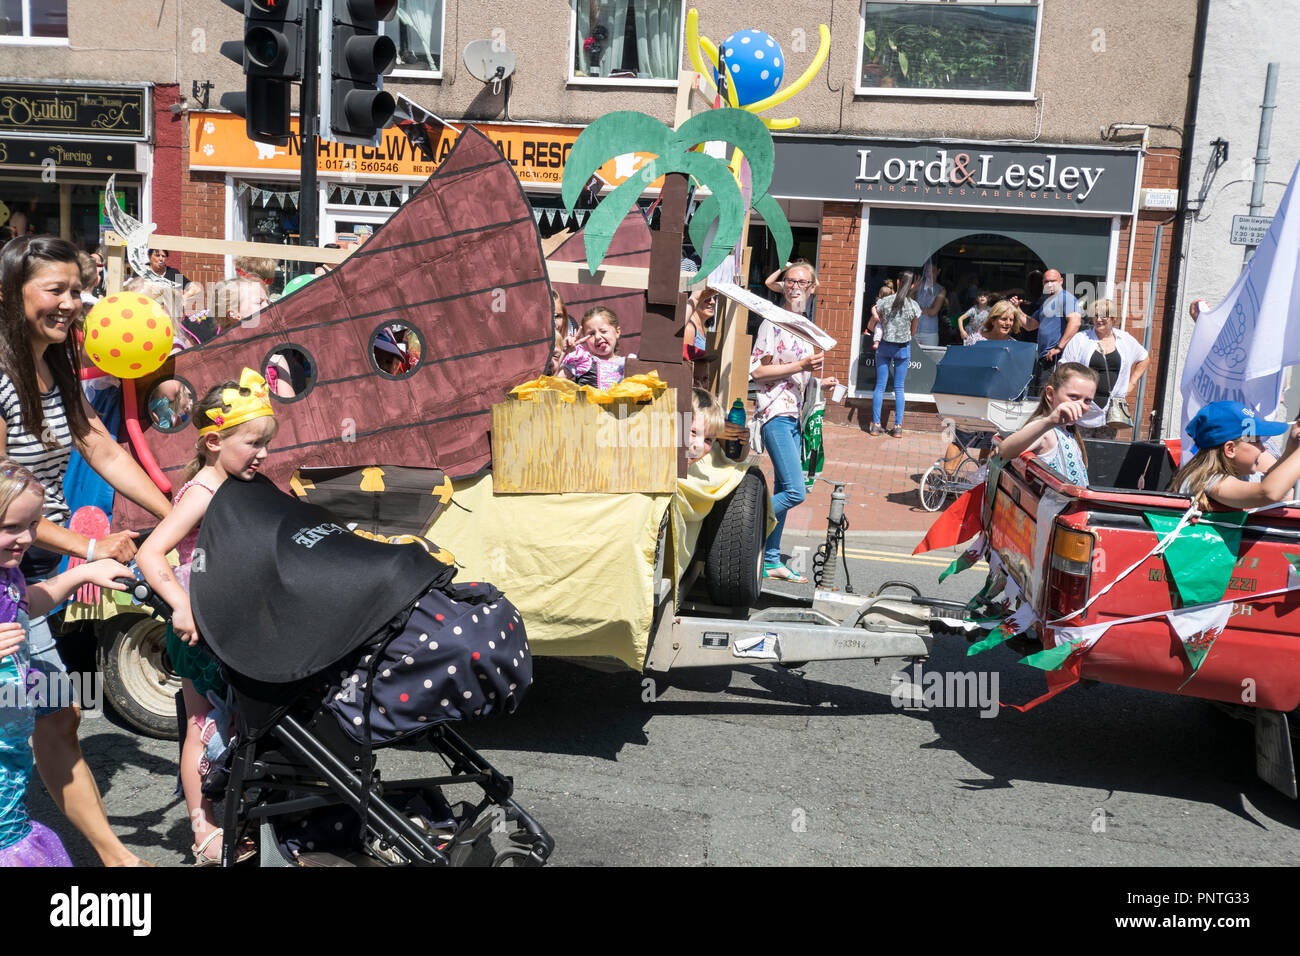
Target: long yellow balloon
{"x":790,"y":123}
{"x":693,"y":44}
{"x":783,"y":94}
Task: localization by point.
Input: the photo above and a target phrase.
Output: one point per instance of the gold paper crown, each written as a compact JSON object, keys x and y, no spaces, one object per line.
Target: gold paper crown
{"x":237,"y":407}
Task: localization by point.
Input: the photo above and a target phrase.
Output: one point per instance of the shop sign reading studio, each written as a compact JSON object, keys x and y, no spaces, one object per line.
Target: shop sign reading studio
{"x":75,"y":111}
{"x":1061,"y":179}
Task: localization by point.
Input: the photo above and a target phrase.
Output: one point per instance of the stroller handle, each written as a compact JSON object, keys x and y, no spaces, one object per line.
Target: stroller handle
{"x":142,"y":593}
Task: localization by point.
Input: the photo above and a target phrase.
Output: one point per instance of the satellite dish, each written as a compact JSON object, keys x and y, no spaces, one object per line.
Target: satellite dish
{"x":489,"y":61}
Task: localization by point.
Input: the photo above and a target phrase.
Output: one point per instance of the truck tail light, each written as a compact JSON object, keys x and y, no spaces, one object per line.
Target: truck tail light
{"x":1069,"y":572}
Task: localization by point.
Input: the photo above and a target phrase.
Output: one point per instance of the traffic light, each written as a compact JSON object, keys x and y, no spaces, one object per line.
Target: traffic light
{"x":355,"y":55}
{"x":272,"y":56}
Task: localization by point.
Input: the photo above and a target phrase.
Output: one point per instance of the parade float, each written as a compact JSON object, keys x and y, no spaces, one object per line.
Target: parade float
{"x":578,"y":503}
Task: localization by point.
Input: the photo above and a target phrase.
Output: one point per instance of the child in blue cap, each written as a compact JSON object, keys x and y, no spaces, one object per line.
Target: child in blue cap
{"x":1229,"y":465}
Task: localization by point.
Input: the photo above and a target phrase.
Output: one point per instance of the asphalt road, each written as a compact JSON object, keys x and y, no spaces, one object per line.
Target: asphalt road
{"x":761,"y":765}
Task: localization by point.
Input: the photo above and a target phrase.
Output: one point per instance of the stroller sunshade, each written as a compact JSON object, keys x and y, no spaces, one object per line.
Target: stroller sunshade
{"x":280,"y":590}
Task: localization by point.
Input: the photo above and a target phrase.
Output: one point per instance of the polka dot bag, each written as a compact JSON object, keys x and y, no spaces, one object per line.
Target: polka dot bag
{"x":462,"y":653}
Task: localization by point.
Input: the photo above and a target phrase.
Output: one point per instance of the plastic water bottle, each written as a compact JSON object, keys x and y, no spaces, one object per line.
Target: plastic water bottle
{"x":734,"y":417}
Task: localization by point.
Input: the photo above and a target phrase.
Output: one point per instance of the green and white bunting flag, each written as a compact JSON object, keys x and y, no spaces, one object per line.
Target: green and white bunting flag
{"x":1201,"y":557}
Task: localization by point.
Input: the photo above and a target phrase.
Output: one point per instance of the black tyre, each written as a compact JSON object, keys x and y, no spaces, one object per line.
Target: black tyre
{"x":732,"y":544}
{"x":139,"y":681}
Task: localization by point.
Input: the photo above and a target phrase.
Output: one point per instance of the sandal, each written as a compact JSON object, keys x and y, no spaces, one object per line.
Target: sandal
{"x":779,"y":572}
{"x":247,"y":850}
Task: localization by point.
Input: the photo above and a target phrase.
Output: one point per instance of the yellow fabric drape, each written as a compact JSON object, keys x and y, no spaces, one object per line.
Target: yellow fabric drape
{"x":580,"y":567}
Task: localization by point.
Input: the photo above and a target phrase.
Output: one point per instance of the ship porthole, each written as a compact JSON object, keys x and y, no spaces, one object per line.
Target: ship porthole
{"x":291,"y":372}
{"x":395,"y":350}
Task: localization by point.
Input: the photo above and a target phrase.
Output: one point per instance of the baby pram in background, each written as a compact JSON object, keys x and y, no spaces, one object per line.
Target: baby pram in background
{"x":979,"y":390}
{"x":335,"y":646}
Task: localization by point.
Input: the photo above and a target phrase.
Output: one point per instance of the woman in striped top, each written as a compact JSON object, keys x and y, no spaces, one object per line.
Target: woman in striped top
{"x":45,"y":417}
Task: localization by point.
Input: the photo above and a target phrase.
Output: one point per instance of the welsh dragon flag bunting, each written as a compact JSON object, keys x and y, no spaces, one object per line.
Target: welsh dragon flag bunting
{"x":1198,"y":628}
{"x":1201,"y":558}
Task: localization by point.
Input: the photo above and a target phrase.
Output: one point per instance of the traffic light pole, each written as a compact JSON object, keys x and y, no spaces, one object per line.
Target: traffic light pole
{"x":308,"y":127}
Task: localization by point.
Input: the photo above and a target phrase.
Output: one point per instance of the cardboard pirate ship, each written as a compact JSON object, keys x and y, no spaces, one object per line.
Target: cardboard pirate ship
{"x":460,"y":266}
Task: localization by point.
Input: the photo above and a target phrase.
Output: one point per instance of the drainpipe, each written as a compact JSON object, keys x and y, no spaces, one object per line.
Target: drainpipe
{"x":1261,"y":148}
{"x":1180,"y":221}
{"x":1133,"y":220}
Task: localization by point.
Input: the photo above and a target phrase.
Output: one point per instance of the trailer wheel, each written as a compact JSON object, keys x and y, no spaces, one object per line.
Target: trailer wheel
{"x":138,"y":678}
{"x":732,"y":544}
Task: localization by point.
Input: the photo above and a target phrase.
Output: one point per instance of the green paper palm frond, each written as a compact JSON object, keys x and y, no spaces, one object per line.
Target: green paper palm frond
{"x":722,"y":213}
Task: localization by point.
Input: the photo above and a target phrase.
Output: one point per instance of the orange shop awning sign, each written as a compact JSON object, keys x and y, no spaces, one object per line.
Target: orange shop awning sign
{"x":538,"y":153}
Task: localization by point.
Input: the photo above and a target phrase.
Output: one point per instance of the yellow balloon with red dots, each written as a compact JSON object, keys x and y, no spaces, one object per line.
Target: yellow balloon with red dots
{"x":128,"y":334}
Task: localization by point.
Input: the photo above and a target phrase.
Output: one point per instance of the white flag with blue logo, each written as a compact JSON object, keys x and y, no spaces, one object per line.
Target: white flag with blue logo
{"x":1242,"y":346}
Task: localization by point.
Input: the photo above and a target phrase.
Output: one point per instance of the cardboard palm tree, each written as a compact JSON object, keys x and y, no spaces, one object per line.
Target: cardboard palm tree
{"x":719,"y":221}
{"x":715,"y":229}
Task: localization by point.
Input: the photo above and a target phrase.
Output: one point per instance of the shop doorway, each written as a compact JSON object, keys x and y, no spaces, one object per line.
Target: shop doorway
{"x":980,"y":263}
{"x":965,"y":253}
{"x":71,"y":208}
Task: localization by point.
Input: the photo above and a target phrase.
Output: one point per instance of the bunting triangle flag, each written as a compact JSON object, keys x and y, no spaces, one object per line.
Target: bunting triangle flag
{"x":293,"y":199}
{"x":1000,"y":635}
{"x":370,"y":195}
{"x":1201,"y":557}
{"x":964,"y":560}
{"x":241,"y":188}
{"x":1198,"y":628}
{"x":537,"y":215}
{"x":959,"y":564}
{"x":959,"y":522}
{"x":1057,"y":680}
{"x":1292,"y":572}
{"x":1016,"y":624}
{"x":1052,"y":658}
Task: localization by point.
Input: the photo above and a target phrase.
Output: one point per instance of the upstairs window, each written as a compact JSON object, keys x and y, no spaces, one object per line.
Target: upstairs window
{"x":627,"y":41}
{"x":950,"y":48}
{"x":33,"y":21}
{"x":417,"y":30}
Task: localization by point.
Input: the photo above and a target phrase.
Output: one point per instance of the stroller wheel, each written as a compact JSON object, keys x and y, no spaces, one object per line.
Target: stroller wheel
{"x":516,"y":856}
{"x":934,"y":491}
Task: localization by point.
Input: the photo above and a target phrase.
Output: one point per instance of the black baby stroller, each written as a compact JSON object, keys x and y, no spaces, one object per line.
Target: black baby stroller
{"x":335,"y":646}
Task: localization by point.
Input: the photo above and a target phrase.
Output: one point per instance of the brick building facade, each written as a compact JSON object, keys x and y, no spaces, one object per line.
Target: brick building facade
{"x":1089,"y":67}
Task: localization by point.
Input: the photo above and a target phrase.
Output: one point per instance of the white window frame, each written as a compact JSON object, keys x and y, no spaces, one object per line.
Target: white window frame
{"x":27,"y":39}
{"x":572,"y":80}
{"x":895,"y":92}
{"x":411,"y":73}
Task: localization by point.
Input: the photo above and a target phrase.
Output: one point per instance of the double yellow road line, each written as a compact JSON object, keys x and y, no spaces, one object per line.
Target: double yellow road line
{"x":892,"y":557}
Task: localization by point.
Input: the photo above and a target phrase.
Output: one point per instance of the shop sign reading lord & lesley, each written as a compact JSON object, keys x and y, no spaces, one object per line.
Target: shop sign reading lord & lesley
{"x":1056,"y":178}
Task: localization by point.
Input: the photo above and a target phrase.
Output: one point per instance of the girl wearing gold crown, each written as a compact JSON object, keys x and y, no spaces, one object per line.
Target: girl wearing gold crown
{"x":236,"y":424}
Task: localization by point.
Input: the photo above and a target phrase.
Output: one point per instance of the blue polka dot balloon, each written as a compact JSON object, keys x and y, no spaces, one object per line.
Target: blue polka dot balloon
{"x":755,"y":64}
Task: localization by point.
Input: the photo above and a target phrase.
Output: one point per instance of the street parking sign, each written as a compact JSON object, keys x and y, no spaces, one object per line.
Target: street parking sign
{"x":1249,"y":230}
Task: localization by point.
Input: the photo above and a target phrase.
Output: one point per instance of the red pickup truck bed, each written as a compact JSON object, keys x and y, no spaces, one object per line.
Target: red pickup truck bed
{"x":1097,"y":536}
